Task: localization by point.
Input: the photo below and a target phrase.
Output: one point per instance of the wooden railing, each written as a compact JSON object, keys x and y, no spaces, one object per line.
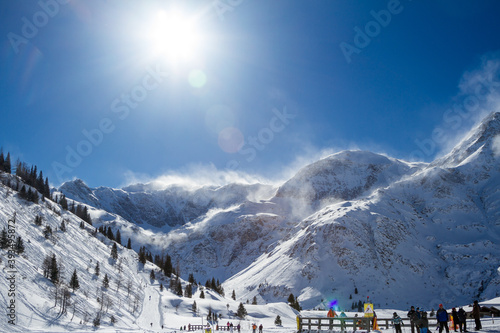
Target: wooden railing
{"x":306,"y":324}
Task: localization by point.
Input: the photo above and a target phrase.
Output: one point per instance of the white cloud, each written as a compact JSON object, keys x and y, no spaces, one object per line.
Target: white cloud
{"x":195,"y":176}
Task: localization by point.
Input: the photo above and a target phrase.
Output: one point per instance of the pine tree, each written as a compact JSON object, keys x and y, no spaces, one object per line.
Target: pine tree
{"x":294,"y":303}
{"x":2,"y":160}
{"x":114,"y":251}
{"x":63,"y":226}
{"x":6,"y":164}
{"x":118,"y":237}
{"x":152,"y":275}
{"x":167,"y":269}
{"x":46,"y":266}
{"x":188,"y":292}
{"x":202,"y":294}
{"x":47,"y":232}
{"x":73,"y":283}
{"x":178,"y":288}
{"x":129,"y":244}
{"x":105,"y":281}
{"x":233,"y":296}
{"x":38,"y":220}
{"x":161,"y":286}
{"x":109,"y":234}
{"x":241,"y":312}
{"x":254,"y":300}
{"x":46,"y":188}
{"x":23,"y":193}
{"x":54,"y":270}
{"x":63,"y":202}
{"x":194,"y":307}
{"x":19,"y":245}
{"x":277,"y":321}
{"x":97,"y":269}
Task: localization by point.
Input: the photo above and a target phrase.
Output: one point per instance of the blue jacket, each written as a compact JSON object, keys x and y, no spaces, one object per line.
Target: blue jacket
{"x":442,"y":315}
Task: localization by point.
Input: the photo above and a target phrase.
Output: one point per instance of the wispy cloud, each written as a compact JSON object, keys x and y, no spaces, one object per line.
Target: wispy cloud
{"x":195,"y":176}
{"x":478,"y":96}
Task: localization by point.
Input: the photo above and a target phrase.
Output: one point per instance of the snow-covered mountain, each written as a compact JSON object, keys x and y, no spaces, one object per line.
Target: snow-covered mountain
{"x":402,"y":233}
{"x":164,"y":208}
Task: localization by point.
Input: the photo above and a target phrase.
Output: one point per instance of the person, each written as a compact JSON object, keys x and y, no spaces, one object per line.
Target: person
{"x":260,"y":328}
{"x":476,"y":313}
{"x":454,"y":315}
{"x":238,"y":327}
{"x":412,"y":314}
{"x":254,"y":327}
{"x":397,"y":321}
{"x":231,"y":327}
{"x":331,"y":313}
{"x":442,"y":318}
{"x":462,"y":320}
{"x":423,"y":322}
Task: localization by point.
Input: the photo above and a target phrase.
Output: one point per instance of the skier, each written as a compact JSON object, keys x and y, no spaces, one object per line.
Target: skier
{"x":462,"y":319}
{"x":397,"y":322}
{"x":454,"y":315}
{"x":442,"y":318}
{"x":412,"y":314}
{"x":260,"y":328}
{"x":477,"y":315}
{"x":423,"y":322}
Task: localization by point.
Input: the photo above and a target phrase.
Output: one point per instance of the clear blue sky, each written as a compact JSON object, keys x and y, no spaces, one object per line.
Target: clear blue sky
{"x":93,"y":89}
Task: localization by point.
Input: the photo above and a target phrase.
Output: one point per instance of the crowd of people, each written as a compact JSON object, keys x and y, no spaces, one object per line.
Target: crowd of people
{"x":419,"y":321}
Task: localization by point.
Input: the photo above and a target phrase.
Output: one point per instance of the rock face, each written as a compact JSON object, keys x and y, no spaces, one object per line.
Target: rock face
{"x":165,"y":208}
{"x":402,"y":233}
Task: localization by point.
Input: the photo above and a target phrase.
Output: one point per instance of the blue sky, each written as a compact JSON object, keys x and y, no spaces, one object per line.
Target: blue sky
{"x":99,"y":90}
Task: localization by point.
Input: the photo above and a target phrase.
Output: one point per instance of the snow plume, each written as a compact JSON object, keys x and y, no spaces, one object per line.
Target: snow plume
{"x":496,"y":146}
{"x":479,"y":95}
{"x":193,"y":177}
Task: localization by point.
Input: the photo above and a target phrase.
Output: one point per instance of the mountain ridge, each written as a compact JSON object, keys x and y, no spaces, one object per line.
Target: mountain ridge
{"x":353,"y":220}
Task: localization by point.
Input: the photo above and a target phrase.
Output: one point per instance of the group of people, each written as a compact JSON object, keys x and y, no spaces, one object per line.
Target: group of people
{"x":420,"y":322}
{"x":254,"y":328}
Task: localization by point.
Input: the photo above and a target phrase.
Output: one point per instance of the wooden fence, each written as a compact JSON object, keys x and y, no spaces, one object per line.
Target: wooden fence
{"x":307,"y":324}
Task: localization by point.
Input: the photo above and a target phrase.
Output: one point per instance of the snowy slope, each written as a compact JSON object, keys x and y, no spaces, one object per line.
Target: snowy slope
{"x":137,"y":303}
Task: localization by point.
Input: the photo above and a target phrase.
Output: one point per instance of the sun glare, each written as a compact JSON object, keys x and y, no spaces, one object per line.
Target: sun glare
{"x":174,"y":36}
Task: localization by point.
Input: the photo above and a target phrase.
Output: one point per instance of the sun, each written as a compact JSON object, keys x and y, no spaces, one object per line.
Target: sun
{"x":174,"y":36}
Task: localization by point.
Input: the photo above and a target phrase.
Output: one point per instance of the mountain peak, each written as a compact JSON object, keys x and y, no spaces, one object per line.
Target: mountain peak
{"x":345,"y":175}
{"x":479,"y":141}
